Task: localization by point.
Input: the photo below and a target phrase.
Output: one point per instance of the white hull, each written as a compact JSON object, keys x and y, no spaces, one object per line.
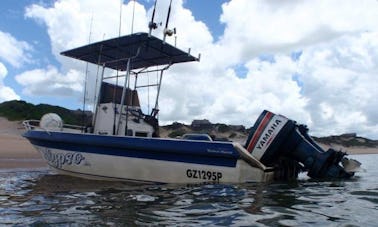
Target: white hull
{"x":109,"y":167}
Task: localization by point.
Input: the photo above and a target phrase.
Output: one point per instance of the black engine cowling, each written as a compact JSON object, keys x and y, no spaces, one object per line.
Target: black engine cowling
{"x":274,"y":137}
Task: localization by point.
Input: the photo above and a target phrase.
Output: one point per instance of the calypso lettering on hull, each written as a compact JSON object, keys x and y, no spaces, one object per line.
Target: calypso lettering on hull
{"x":62,"y":158}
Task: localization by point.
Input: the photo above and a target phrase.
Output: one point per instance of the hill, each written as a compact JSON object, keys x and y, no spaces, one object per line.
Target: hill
{"x":347,"y":140}
{"x":20,"y":110}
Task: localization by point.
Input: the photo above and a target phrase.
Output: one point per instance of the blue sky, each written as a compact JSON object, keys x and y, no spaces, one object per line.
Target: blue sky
{"x":311,"y":61}
{"x":13,"y":21}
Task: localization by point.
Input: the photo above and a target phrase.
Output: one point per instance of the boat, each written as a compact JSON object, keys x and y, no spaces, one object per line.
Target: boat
{"x":123,"y":142}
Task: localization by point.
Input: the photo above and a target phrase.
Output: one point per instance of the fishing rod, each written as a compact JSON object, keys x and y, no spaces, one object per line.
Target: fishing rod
{"x":117,"y":75}
{"x":132,"y":20}
{"x":152,"y":24}
{"x":167,"y":31}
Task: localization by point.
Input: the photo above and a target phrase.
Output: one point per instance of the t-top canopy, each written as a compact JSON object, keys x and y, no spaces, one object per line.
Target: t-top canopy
{"x":114,"y":53}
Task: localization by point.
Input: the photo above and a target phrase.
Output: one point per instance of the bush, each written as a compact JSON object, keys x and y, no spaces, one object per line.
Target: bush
{"x":223,"y":128}
{"x":176,"y":133}
{"x":233,"y":135}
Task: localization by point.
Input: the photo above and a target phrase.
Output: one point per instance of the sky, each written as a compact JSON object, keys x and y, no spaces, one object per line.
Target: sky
{"x":315,"y":62}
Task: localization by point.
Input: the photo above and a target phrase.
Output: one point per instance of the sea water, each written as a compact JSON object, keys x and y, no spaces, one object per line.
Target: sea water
{"x":40,"y":198}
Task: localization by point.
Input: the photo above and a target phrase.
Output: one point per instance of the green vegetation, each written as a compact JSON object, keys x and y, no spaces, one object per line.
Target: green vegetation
{"x":176,"y":133}
{"x":232,"y":135}
{"x":174,"y":126}
{"x":21,"y":110}
{"x":223,"y":128}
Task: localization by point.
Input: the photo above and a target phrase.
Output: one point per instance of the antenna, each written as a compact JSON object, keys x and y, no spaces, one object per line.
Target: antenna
{"x":167,"y":31}
{"x":152,"y":24}
{"x":132,"y":23}
{"x":86,"y":77}
{"x":120,"y":18}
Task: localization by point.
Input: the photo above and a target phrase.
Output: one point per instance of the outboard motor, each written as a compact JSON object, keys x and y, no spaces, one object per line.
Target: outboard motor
{"x":274,"y":137}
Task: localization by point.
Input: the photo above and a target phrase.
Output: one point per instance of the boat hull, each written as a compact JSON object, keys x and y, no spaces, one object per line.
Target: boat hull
{"x":144,"y":159}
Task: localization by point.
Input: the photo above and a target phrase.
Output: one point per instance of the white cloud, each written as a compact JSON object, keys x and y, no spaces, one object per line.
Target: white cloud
{"x":255,"y":27}
{"x":13,"y":51}
{"x":3,"y":71}
{"x":6,"y":93}
{"x":49,"y":81}
{"x":339,"y":78}
{"x":331,"y":86}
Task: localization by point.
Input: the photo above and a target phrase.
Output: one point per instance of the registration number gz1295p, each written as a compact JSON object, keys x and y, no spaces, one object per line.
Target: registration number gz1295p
{"x":203,"y":174}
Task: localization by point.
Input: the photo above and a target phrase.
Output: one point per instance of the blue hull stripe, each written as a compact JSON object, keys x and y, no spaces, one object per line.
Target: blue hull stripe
{"x":198,"y":152}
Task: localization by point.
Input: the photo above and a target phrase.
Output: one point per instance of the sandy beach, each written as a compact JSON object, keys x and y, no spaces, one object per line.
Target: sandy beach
{"x":17,"y":152}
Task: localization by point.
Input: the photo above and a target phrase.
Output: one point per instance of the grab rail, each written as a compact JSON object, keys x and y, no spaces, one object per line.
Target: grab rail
{"x":34,"y":124}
